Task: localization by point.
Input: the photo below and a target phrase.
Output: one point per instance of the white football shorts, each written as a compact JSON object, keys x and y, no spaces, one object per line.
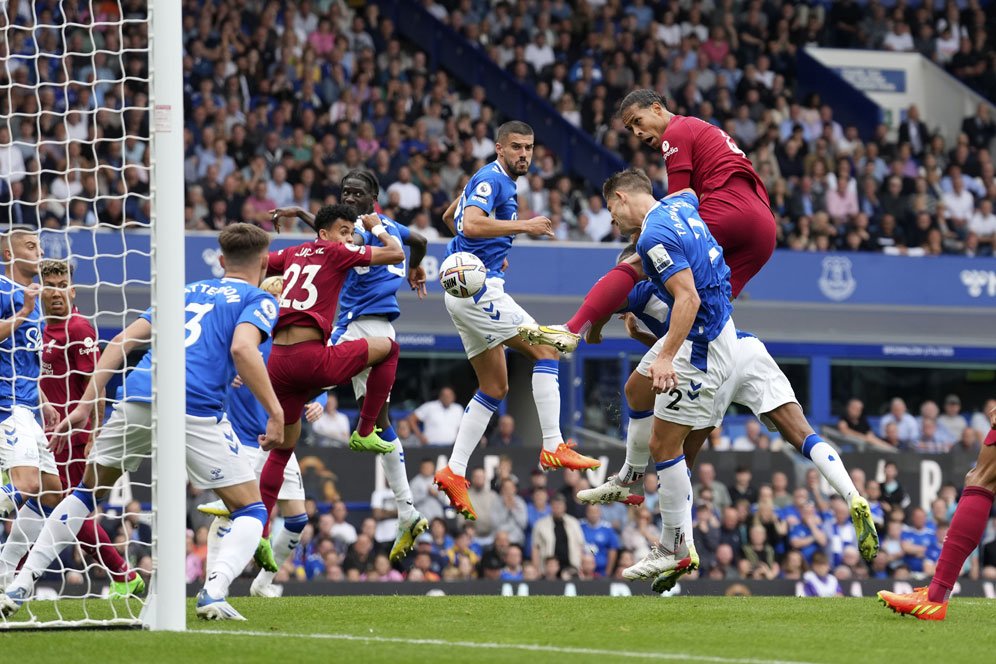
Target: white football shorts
{"x":24,"y":442}
{"x":293,"y":486}
{"x":487,"y":319}
{"x":757,"y":383}
{"x":364,"y":327}
{"x":215,"y":457}
{"x":692,"y":402}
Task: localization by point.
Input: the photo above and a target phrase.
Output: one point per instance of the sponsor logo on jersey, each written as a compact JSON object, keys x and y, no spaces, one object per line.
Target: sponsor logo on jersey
{"x":269,"y":309}
{"x":89,"y":346}
{"x":659,"y":258}
{"x":836,"y":281}
{"x":667,"y":150}
{"x":483,"y":189}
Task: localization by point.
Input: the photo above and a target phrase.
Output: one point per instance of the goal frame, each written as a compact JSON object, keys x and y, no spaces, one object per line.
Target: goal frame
{"x":165,"y":609}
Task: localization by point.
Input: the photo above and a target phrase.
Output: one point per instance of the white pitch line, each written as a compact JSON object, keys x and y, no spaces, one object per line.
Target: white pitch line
{"x":530,"y":647}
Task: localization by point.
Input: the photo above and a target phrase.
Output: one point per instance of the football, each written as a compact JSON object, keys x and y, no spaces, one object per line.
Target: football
{"x":273,"y":285}
{"x":462,"y":274}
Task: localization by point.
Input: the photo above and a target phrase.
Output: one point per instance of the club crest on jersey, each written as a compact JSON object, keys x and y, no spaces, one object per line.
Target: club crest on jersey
{"x":836,"y":281}
{"x":89,"y":346}
{"x":667,"y":150}
{"x":659,"y":258}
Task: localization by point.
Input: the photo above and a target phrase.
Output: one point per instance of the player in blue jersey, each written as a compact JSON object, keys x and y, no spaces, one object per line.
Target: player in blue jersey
{"x":757,"y":383}
{"x":686,"y":367}
{"x":34,"y":487}
{"x":248,"y":419}
{"x":486,"y":221}
{"x":367,"y":306}
{"x":227,"y":319}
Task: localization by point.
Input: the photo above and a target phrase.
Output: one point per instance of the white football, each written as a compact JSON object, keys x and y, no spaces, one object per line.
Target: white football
{"x":462,"y":274}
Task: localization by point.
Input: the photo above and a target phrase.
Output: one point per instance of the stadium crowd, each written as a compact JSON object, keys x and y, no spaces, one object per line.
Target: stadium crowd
{"x":526,"y":530}
{"x":282,"y":98}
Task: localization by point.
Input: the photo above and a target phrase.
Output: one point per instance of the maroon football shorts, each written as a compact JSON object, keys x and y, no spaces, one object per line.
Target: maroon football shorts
{"x":300,"y":371}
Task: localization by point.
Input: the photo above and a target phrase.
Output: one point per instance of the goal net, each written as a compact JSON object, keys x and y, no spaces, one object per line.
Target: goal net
{"x":91,"y":170}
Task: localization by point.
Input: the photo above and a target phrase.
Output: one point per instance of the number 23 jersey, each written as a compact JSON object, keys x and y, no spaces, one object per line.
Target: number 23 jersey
{"x":314,"y":273}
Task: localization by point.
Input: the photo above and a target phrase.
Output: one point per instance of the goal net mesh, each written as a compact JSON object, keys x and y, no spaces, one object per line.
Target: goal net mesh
{"x":76,"y":167}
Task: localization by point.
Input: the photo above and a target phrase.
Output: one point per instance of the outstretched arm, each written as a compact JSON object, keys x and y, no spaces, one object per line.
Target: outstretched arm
{"x":416,"y":273}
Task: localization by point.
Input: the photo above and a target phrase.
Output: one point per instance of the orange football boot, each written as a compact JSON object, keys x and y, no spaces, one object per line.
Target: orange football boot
{"x":565,"y":457}
{"x":914,"y":604}
{"x":455,"y":488}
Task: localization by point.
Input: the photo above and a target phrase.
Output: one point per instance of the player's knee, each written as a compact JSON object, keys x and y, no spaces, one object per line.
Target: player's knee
{"x":380,"y":349}
{"x":27,"y":486}
{"x":638,"y":393}
{"x":541,"y":352}
{"x":497,"y":388}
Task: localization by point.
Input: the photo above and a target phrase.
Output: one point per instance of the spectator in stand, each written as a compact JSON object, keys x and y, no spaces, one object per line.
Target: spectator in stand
{"x":759,"y":560}
{"x":933,"y":439}
{"x":819,"y":582}
{"x":979,"y":128}
{"x":341,"y":531}
{"x":731,"y":531}
{"x":707,"y":480}
{"x":425,"y":495}
{"x":892,"y":491}
{"x":780,"y":496}
{"x":332,"y":429}
{"x":436,"y":422}
{"x":559,"y":535}
{"x":916,"y":540}
{"x":486,"y":502}
{"x":385,"y":511}
{"x":742,"y":489}
{"x":511,"y":516}
{"x":906,"y":426}
{"x":983,"y":226}
{"x":504,"y":434}
{"x":753,"y":439}
{"x":601,"y":540}
{"x":854,"y":423}
{"x":807,"y":536}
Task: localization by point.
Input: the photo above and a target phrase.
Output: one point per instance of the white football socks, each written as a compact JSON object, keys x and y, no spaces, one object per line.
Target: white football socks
{"x":472,"y":425}
{"x":675,"y":495}
{"x":394,"y":469}
{"x":828,"y":462}
{"x":58,"y":532}
{"x":641,"y":423}
{"x":236,"y":549}
{"x":546,"y":395}
{"x":25,"y":530}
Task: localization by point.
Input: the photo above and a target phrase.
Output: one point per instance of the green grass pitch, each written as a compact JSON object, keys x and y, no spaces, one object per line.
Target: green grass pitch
{"x":535,"y":629}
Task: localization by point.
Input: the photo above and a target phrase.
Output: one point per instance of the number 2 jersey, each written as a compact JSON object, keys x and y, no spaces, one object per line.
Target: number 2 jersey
{"x":675,"y":238}
{"x":372,"y":290}
{"x":314,"y":273}
{"x":214,"y":308}
{"x":704,"y":157}
{"x":492,"y":190}
{"x":20,"y":358}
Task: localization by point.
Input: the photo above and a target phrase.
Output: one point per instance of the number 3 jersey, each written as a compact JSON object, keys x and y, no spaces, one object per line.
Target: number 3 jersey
{"x":674,"y":238}
{"x":214,"y":308}
{"x":373,"y":290}
{"x":20,"y":353}
{"x":314,"y":273}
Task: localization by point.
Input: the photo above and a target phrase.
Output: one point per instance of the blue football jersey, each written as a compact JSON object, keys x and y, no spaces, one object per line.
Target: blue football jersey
{"x":645,"y":303}
{"x":372,"y":289}
{"x":20,"y":353}
{"x":214,"y":308}
{"x":247,"y":415}
{"x":675,"y":238}
{"x":492,"y":190}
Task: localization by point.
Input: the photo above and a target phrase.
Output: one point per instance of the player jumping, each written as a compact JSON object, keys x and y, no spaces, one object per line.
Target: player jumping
{"x":369,"y":304}
{"x":301,"y":365}
{"x":732,"y":201}
{"x":968,"y":525}
{"x":227,"y":319}
{"x":687,"y":367}
{"x":486,"y":223}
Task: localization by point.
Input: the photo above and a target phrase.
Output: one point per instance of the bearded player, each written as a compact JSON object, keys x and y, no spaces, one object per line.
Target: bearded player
{"x":733,"y":203}
{"x":486,"y":222}
{"x":968,"y":525}
{"x":301,"y":365}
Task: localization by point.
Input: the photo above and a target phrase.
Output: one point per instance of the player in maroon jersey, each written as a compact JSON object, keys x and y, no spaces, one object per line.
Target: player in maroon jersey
{"x":301,"y":364}
{"x":732,"y":202}
{"x":69,"y":357}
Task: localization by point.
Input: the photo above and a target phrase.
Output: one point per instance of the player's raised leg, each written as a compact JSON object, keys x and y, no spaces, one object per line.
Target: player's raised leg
{"x":964,"y":535}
